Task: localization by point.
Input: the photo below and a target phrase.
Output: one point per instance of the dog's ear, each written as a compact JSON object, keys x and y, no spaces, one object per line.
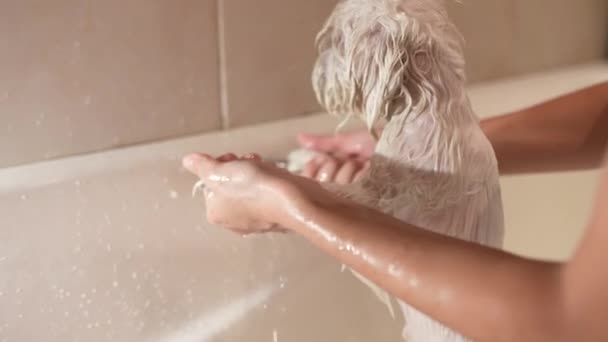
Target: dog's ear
{"x":422,"y":62}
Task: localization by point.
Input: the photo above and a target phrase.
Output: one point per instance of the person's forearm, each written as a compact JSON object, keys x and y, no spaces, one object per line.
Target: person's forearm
{"x":567,"y":133}
{"x":485,"y":294}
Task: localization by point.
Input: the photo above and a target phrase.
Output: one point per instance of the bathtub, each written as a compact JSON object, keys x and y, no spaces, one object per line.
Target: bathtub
{"x":113,"y":247}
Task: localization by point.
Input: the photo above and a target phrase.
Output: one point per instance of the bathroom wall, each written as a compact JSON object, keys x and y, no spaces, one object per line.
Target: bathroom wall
{"x":85,"y":75}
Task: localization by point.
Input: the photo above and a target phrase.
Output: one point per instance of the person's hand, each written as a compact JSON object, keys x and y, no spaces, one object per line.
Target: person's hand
{"x":343,"y":171}
{"x":249,"y":195}
{"x":346,"y":160}
{"x":359,"y":145}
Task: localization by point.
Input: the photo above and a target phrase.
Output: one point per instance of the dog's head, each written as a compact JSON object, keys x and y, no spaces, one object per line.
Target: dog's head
{"x":382,"y":58}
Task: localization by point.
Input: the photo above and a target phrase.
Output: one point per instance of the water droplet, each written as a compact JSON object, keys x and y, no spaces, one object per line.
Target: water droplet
{"x":141,"y":245}
{"x":173,"y":194}
{"x":141,"y":326}
{"x":76,"y":44}
{"x":18,"y":290}
{"x":23,"y":197}
{"x":128,"y":255}
{"x":283,"y":281}
{"x":66,"y":313}
{"x":20,"y":316}
{"x":77,"y":182}
{"x":76,"y":249}
{"x":165,"y":180}
{"x":156,"y":205}
{"x":93,"y":290}
{"x":108,"y":248}
{"x":134,"y":275}
{"x":88,"y":100}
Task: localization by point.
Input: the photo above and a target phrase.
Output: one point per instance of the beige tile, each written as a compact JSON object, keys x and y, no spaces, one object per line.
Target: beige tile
{"x":488,"y":29}
{"x":78,"y":76}
{"x":553,"y":33}
{"x":269,"y":54}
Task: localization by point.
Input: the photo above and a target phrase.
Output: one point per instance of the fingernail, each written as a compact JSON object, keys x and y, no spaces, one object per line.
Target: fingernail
{"x":190,"y":161}
{"x":306,"y":141}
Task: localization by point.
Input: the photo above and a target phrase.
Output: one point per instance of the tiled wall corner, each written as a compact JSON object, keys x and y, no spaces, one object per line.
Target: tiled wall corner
{"x":78,"y":76}
{"x":268,"y":48}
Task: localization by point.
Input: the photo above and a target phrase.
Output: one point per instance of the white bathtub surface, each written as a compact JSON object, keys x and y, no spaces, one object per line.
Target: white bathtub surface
{"x":111,"y":246}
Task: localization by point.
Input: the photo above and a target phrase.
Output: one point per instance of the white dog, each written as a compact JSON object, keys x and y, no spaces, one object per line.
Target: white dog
{"x":400,"y":63}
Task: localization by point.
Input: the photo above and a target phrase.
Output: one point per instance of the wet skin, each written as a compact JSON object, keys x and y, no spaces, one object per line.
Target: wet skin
{"x":486,"y":294}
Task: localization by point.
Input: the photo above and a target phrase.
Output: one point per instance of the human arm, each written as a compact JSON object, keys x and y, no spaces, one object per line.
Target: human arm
{"x":486,"y":294}
{"x":566,"y":133}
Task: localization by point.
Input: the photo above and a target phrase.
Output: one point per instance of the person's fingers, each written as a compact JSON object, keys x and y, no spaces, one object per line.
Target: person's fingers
{"x":226,"y":157}
{"x":252,"y":156}
{"x":318,"y":142}
{"x":311,"y":168}
{"x":361,"y":172}
{"x":198,"y":163}
{"x":328,"y":170}
{"x":346,"y":173}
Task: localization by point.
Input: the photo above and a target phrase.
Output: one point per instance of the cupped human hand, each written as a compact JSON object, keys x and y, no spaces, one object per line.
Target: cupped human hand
{"x":357,"y":144}
{"x":332,"y":169}
{"x":346,"y":156}
{"x":249,"y":195}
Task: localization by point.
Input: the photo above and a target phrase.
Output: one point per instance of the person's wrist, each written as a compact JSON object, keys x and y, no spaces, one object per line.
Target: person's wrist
{"x":298,"y":204}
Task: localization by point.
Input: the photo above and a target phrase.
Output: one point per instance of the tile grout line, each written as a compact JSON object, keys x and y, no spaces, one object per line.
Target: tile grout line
{"x":223,"y":77}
